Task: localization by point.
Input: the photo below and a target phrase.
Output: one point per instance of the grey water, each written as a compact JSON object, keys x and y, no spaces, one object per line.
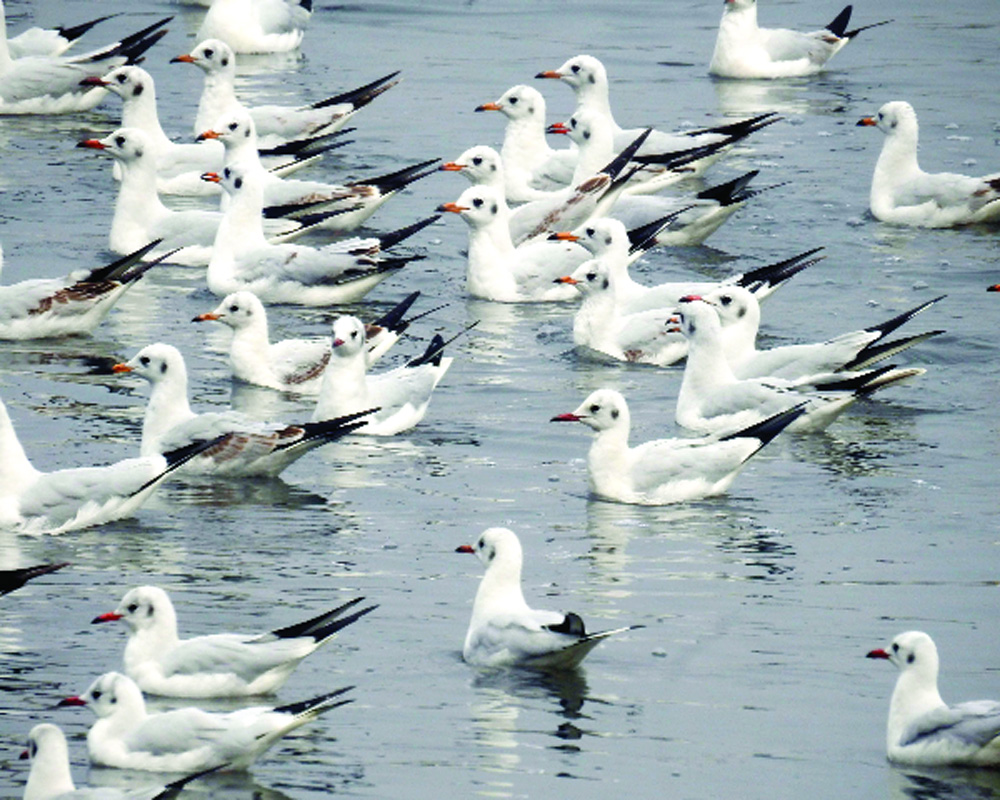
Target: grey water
{"x":749,"y":677}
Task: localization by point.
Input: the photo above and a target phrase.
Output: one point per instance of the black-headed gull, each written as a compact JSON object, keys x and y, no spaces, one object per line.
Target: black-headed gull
{"x":220,"y":664}
{"x":50,"y":777}
{"x":140,"y":215}
{"x":925,"y":731}
{"x":504,"y":630}
{"x":185,"y":739}
{"x":243,"y":446}
{"x":745,"y":50}
{"x":73,"y":305}
{"x":739,"y":313}
{"x":257,"y":26}
{"x":401,"y":395}
{"x":242,"y":258}
{"x":47,"y":41}
{"x":903,"y":194}
{"x":52,"y":84}
{"x":588,"y":79}
{"x":499,"y":271}
{"x":292,"y":365}
{"x":531,"y":166}
{"x":663,"y":471}
{"x":13,"y":579}
{"x":70,"y":499}
{"x":346,"y":206}
{"x":274,"y":124}
{"x":608,"y":240}
{"x":713,"y":400}
{"x":603,"y":324}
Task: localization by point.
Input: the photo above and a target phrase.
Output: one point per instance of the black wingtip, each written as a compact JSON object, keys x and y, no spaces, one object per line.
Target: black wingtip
{"x":393,"y":319}
{"x":856,"y":31}
{"x":395,"y":181}
{"x":767,"y":429}
{"x":730,"y":192}
{"x":887,"y":327}
{"x":73,"y":32}
{"x":392,"y":238}
{"x":840,"y":22}
{"x":618,"y":164}
{"x":643,"y":238}
{"x":361,"y":96}
{"x":773,"y":274}
{"x":435,"y":350}
{"x":117,"y":269}
{"x":859,"y":384}
{"x":11,"y":579}
{"x":305,"y":705}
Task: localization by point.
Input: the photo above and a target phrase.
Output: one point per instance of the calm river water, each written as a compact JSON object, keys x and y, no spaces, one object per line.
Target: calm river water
{"x":749,"y":678}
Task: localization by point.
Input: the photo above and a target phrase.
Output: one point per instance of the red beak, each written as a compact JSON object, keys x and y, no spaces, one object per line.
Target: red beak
{"x":111,"y":616}
{"x":72,"y":701}
{"x":565,"y":418}
{"x":464,"y":548}
{"x":880,"y":653}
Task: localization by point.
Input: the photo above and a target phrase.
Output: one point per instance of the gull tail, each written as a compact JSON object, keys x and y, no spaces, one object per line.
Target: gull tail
{"x":395,"y":181}
{"x":361,"y":96}
{"x":869,"y":382}
{"x":133,"y":46}
{"x":174,"y":788}
{"x":741,"y":129}
{"x":322,"y":627}
{"x":734,"y":191}
{"x":879,"y":350}
{"x":318,"y":433}
{"x":118,"y":270}
{"x":887,"y":327}
{"x":310,"y":146}
{"x":643,"y":238}
{"x":306,"y":710}
{"x":179,"y":457}
{"x":856,"y":31}
{"x":435,"y":350}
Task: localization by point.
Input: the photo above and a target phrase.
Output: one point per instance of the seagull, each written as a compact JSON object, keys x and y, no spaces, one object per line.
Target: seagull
{"x":924,"y":731}
{"x":70,"y":499}
{"x":504,"y":631}
{"x":499,"y":271}
{"x":50,"y":777}
{"x":185,"y":739}
{"x":739,"y":313}
{"x":257,"y":26}
{"x":401,"y":395}
{"x":664,"y":471}
{"x":603,"y":325}
{"x":292,"y":365}
{"x":903,"y":194}
{"x":13,"y":579}
{"x":49,"y":42}
{"x":608,"y":240}
{"x":531,"y":167}
{"x":74,"y":305}
{"x":220,"y":664}
{"x":713,"y":400}
{"x":588,"y":79}
{"x":743,"y":50}
{"x":274,"y":124}
{"x":243,"y":446}
{"x":344,"y":206}
{"x":140,"y":216}
{"x":342,"y":272}
{"x":39,"y":84}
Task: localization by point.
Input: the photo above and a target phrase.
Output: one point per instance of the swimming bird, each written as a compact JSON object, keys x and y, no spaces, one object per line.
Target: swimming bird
{"x":274,"y":124}
{"x":257,"y":26}
{"x":401,"y":395}
{"x":342,"y":272}
{"x":664,"y":471}
{"x":82,"y":497}
{"x":50,"y":777}
{"x":47,"y":41}
{"x":42,"y":84}
{"x":713,"y":400}
{"x":13,"y":579}
{"x":745,"y":50}
{"x":588,"y":79}
{"x":218,"y":664}
{"x":127,"y":736}
{"x":243,"y":446}
{"x":504,"y":631}
{"x":73,"y":305}
{"x":903,"y":194}
{"x":739,"y":313}
{"x":292,"y":365}
{"x":925,"y":731}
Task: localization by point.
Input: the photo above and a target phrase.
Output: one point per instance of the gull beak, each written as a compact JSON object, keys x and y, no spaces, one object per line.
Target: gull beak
{"x":566,"y":418}
{"x":187,"y":58}
{"x":549,"y":73}
{"x":211,"y":315}
{"x":464,"y":548}
{"x":93,"y":80}
{"x":566,"y":279}
{"x":211,"y":177}
{"x":489,"y":107}
{"x":121,"y":368}
{"x":557,"y":127}
{"x":451,"y":166}
{"x":72,"y":701}
{"x":866,"y":122}
{"x":111,"y":616}
{"x":880,"y":653}
{"x":207,"y":135}
{"x":563,"y":236}
{"x":454,"y":208}
{"x":92,"y":144}
{"x":338,"y":342}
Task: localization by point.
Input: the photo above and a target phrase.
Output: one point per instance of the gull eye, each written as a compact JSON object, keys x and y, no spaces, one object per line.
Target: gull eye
{"x":591,"y":276}
{"x":233,"y":126}
{"x":234,"y":308}
{"x":478,"y":202}
{"x":121,"y":78}
{"x":354,"y":334}
{"x":513,"y":100}
{"x":576,"y":69}
{"x":725,"y":300}
{"x":477,"y":160}
{"x":96,"y":694}
{"x":594,"y":408}
{"x":132,"y":607}
{"x":120,"y":141}
{"x":209,"y":53}
{"x":895,"y":647}
{"x":226,"y":172}
{"x":144,"y":361}
{"x":590,"y":232}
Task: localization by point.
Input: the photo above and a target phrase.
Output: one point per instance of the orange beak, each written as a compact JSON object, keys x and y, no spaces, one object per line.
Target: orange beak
{"x":211,"y":177}
{"x":208,"y":135}
{"x":557,"y":127}
{"x":121,"y":368}
{"x":93,"y":144}
{"x":454,"y":208}
{"x":489,"y":107}
{"x":464,"y":548}
{"x":451,"y":166}
{"x":563,"y":236}
{"x":205,"y":317}
{"x":187,"y":58}
{"x":867,"y":122}
{"x":549,"y":74}
{"x":566,"y":279}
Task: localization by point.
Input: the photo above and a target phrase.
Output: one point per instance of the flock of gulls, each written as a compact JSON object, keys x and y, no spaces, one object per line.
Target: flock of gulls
{"x":545,"y":224}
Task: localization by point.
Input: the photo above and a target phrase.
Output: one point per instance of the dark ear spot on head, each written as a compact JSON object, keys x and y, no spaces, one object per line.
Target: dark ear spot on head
{"x":494,"y":209}
{"x":614,"y":413}
{"x":138,"y":152}
{"x":743,"y":311}
{"x":607,"y":283}
{"x":163,"y":367}
{"x":137,"y":90}
{"x":225,"y":62}
{"x":910,"y":658}
{"x":593,"y":79}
